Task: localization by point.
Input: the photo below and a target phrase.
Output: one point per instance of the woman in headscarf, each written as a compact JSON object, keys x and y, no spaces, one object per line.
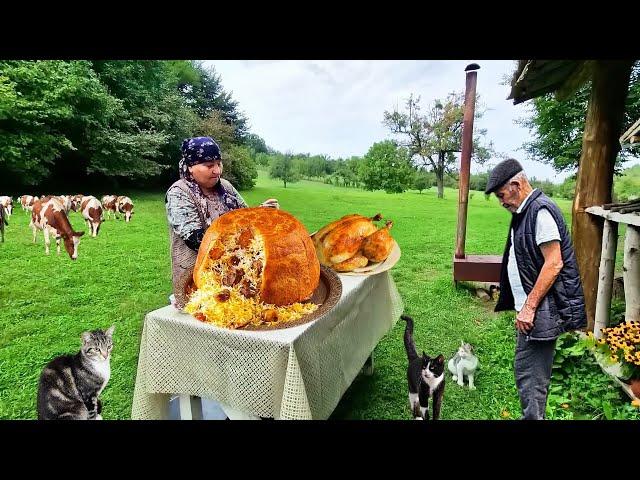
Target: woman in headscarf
{"x":193,"y":202}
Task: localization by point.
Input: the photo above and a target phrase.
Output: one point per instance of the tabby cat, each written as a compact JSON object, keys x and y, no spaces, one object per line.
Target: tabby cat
{"x":70,"y":385}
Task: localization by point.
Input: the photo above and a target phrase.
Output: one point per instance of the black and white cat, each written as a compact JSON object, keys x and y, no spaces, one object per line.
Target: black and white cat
{"x":425,"y":376}
{"x":70,"y":385}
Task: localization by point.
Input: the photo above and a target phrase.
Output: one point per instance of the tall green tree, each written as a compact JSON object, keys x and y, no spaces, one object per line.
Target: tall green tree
{"x":208,"y":95}
{"x":433,"y":138}
{"x":627,"y":185}
{"x":386,"y":167}
{"x":106,"y":120}
{"x":47,"y":111}
{"x":216,"y":127}
{"x":423,"y":180}
{"x":239,"y":167}
{"x":256,"y":144}
{"x":557,"y":127}
{"x":282,"y":167}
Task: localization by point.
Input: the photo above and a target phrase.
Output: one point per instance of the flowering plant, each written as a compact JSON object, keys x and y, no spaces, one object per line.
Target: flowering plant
{"x":621,"y":344}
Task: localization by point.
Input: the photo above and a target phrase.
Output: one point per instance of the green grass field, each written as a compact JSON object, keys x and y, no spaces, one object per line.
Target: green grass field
{"x":46,"y":302}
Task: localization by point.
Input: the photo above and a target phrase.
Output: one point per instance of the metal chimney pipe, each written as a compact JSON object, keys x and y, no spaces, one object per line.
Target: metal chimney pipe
{"x":465,"y":156}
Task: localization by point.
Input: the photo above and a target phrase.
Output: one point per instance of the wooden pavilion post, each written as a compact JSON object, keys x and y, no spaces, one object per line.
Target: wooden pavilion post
{"x":600,"y":146}
{"x":631,"y":273}
{"x":465,"y":156}
{"x":606,"y":274}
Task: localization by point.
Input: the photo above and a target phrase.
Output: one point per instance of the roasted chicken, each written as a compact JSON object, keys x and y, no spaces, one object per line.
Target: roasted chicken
{"x":352,"y":242}
{"x":377,"y":246}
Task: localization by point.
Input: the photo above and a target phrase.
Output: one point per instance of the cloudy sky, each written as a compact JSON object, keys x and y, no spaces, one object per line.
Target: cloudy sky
{"x":336,"y":107}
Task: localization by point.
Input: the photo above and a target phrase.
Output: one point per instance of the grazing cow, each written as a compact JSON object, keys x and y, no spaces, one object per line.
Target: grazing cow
{"x":7,"y":204}
{"x":92,"y":213}
{"x":3,"y":222}
{"x":26,"y":201}
{"x":76,"y":200}
{"x":48,"y":215}
{"x":125,"y":206}
{"x":110,"y":205}
{"x":31,"y":203}
{"x":66,"y":202}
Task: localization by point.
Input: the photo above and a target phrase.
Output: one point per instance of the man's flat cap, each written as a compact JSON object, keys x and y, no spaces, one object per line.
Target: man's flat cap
{"x":502,"y":173}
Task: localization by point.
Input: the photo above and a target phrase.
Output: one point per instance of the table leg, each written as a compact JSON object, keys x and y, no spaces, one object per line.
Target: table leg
{"x":368,"y":366}
{"x":185,"y":407}
{"x":196,"y":408}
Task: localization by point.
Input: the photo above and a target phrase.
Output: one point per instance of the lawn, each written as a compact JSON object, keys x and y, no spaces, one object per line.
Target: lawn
{"x":46,"y":302}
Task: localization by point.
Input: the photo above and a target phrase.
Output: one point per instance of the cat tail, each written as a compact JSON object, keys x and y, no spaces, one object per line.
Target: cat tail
{"x":409,"y":344}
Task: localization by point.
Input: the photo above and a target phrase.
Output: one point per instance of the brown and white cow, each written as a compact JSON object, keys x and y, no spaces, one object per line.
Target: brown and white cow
{"x":27,"y":202}
{"x":66,"y":202}
{"x":3,"y":222}
{"x":110,"y":205}
{"x":92,"y":213}
{"x":48,"y":215}
{"x":76,"y":200}
{"x":7,"y":204}
{"x":125,"y":206}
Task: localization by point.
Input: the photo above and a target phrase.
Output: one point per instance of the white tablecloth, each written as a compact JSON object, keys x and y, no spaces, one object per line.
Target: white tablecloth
{"x":293,"y":373}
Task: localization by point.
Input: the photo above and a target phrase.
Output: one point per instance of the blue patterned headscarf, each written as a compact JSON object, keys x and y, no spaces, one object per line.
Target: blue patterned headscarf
{"x":197,"y":150}
{"x":194,"y":151}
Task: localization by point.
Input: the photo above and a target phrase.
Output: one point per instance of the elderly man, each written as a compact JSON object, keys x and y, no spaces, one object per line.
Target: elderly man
{"x":539,"y":279}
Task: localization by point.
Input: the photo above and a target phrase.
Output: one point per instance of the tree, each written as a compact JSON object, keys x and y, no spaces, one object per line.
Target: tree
{"x":207,"y":95}
{"x":78,"y":117}
{"x":557,"y":127}
{"x":135,"y":137}
{"x":216,"y":127}
{"x":478,"y":181}
{"x":423,"y":180}
{"x":434,"y":138}
{"x":30,"y":128}
{"x":263,"y":159}
{"x":567,"y":189}
{"x":627,"y":185}
{"x":256,"y":144}
{"x":102,"y":120}
{"x":386,"y":167}
{"x":239,"y":167}
{"x":347,"y":171}
{"x":282,"y":167}
{"x":547,"y":187}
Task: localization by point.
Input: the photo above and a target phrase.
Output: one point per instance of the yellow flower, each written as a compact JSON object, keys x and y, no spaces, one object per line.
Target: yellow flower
{"x":636,"y":403}
{"x":505,"y":414}
{"x":565,"y":405}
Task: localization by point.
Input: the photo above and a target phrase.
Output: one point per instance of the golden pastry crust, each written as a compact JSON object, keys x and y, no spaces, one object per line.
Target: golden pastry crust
{"x":288,"y":271}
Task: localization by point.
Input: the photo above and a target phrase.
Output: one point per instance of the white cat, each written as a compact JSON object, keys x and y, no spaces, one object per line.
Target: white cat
{"x":463,"y":363}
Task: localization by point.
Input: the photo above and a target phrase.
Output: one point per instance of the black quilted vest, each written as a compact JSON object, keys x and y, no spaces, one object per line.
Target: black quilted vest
{"x":562,"y":309}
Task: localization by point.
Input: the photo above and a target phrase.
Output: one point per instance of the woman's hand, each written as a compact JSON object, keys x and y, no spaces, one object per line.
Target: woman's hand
{"x":271,"y":203}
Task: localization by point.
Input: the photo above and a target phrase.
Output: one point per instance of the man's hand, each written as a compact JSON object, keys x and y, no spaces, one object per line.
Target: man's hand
{"x":524,"y":319}
{"x":271,"y":203}
{"x":550,"y":270}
